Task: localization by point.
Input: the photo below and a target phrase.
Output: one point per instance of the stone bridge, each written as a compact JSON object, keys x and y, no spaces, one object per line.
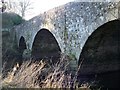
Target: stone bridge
{"x":64,"y":29}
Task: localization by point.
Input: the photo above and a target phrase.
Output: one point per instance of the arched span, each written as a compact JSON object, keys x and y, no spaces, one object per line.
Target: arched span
{"x":22,"y":45}
{"x":100,"y":54}
{"x":45,"y":46}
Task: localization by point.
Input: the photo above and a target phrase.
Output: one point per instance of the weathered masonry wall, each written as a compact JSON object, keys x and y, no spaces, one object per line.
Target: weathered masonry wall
{"x":71,"y":24}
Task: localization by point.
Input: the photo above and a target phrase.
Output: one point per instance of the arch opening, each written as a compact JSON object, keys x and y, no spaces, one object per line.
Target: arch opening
{"x":22,"y":45}
{"x":100,"y":54}
{"x":45,"y":46}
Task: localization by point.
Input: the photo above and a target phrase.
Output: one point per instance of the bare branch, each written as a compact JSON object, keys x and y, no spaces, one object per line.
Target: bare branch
{"x":19,"y":6}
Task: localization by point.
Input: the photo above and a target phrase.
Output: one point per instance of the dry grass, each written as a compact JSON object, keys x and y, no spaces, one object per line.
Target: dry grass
{"x":38,"y":74}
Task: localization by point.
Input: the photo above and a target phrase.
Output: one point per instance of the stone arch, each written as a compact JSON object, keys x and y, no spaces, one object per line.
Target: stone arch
{"x":45,"y":46}
{"x":100,"y":54}
{"x":22,"y":45}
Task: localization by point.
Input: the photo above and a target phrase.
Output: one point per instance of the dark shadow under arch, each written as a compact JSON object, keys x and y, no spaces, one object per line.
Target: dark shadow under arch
{"x":101,"y":52}
{"x":45,"y":46}
{"x":22,"y":45}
